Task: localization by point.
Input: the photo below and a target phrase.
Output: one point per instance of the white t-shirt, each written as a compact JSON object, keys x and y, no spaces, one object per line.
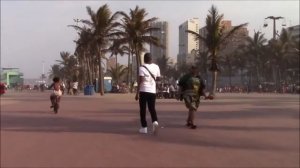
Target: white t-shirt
{"x":75,"y":85}
{"x":149,"y":85}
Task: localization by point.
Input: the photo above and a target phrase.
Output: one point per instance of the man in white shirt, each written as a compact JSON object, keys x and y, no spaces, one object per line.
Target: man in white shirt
{"x":149,"y":73}
{"x":75,"y":87}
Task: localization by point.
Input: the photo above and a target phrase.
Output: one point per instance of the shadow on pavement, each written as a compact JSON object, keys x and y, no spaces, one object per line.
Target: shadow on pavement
{"x":58,"y":123}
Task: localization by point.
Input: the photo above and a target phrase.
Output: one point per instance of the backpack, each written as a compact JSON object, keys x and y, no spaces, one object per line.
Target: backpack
{"x":183,"y":80}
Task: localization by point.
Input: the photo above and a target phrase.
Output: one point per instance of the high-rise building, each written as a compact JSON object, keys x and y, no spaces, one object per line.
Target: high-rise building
{"x":232,"y":43}
{"x":162,"y":35}
{"x":187,"y":43}
{"x":235,"y":41}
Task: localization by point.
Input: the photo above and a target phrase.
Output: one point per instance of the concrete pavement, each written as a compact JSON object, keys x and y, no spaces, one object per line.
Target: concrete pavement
{"x":234,"y":130}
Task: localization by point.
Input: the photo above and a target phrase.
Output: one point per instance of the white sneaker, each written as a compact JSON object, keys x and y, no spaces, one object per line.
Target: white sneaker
{"x":143,"y":130}
{"x":155,"y":127}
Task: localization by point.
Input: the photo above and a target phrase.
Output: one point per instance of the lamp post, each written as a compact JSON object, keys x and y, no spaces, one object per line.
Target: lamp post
{"x":43,"y":74}
{"x":274,"y":24}
{"x":76,"y":20}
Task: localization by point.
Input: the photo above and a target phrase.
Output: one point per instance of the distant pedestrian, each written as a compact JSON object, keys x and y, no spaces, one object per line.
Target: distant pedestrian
{"x":191,"y":88}
{"x":56,"y":94}
{"x":149,"y":73}
{"x":69,"y":87}
{"x":172,"y":91}
{"x":75,"y":87}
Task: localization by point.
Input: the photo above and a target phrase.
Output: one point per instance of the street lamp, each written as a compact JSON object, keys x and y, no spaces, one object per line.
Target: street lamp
{"x":43,"y":74}
{"x":274,"y":24}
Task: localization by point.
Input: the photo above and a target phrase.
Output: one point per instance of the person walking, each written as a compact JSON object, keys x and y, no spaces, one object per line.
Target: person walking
{"x":75,"y":87}
{"x":191,"y":88}
{"x":56,"y":94}
{"x":149,"y":73}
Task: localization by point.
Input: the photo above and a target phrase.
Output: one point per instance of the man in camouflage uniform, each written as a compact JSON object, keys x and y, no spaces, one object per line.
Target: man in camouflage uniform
{"x":191,"y":86}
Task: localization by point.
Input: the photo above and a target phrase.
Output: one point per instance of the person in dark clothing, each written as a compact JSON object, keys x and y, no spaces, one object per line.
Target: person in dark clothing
{"x":191,"y":88}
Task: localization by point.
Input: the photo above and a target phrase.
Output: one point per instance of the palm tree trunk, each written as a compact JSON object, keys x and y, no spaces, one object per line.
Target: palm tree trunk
{"x":257,"y":75}
{"x":117,"y":77}
{"x":129,"y":68}
{"x":230,"y":75}
{"x":214,"y":69}
{"x":138,"y":64}
{"x":92,"y":66}
{"x":241,"y":75}
{"x":101,"y":78}
{"x":214,"y":83}
{"x":88,"y":67}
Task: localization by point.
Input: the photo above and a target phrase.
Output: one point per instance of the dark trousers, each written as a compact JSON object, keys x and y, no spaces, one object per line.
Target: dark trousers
{"x":147,"y":99}
{"x":53,"y":97}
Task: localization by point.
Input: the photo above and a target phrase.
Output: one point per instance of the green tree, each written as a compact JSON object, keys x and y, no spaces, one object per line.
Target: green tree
{"x":214,"y":38}
{"x":281,"y":55}
{"x":118,"y":72}
{"x":227,"y":63}
{"x":55,"y":71}
{"x":240,"y":61}
{"x":103,"y":25}
{"x":85,"y":53}
{"x":68,"y":65}
{"x":117,"y":49}
{"x":255,"y":50}
{"x":135,"y":31}
{"x":164,"y":65}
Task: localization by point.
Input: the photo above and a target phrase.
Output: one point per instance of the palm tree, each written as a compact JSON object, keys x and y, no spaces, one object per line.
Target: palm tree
{"x":280,"y":55}
{"x":117,"y":49}
{"x":69,"y":65}
{"x":240,"y":60}
{"x":214,"y":38}
{"x":55,"y":71}
{"x":118,"y":72}
{"x":227,"y":62}
{"x":136,"y":32}
{"x":202,"y":61}
{"x":256,"y":55}
{"x":103,"y":25}
{"x":85,"y":52}
{"x":164,"y":65}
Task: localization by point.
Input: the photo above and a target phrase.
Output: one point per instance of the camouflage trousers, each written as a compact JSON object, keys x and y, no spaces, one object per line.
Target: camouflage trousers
{"x":191,"y":100}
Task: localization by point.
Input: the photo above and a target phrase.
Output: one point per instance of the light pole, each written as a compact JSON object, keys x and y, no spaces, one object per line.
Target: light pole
{"x":274,"y":24}
{"x":43,"y":74}
{"x":76,"y":20}
{"x":275,"y":68}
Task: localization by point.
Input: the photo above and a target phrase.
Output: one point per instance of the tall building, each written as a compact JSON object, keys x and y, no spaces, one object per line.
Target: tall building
{"x":232,"y":43}
{"x":187,"y":42}
{"x":235,"y":41}
{"x":226,"y":50}
{"x":162,"y":35}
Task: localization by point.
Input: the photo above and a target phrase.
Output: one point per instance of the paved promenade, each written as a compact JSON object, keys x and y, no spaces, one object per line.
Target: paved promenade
{"x":234,"y":130}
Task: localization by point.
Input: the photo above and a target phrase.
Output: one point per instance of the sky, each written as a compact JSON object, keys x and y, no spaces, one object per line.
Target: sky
{"x":33,"y":33}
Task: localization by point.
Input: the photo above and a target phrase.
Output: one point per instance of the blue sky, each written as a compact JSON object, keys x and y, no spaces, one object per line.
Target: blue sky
{"x":33,"y":32}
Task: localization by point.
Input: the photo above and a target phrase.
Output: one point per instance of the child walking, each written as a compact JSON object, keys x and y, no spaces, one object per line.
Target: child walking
{"x":56,"y":94}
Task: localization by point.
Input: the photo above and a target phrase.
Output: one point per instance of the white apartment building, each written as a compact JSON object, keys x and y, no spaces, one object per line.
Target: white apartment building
{"x":187,"y":42}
